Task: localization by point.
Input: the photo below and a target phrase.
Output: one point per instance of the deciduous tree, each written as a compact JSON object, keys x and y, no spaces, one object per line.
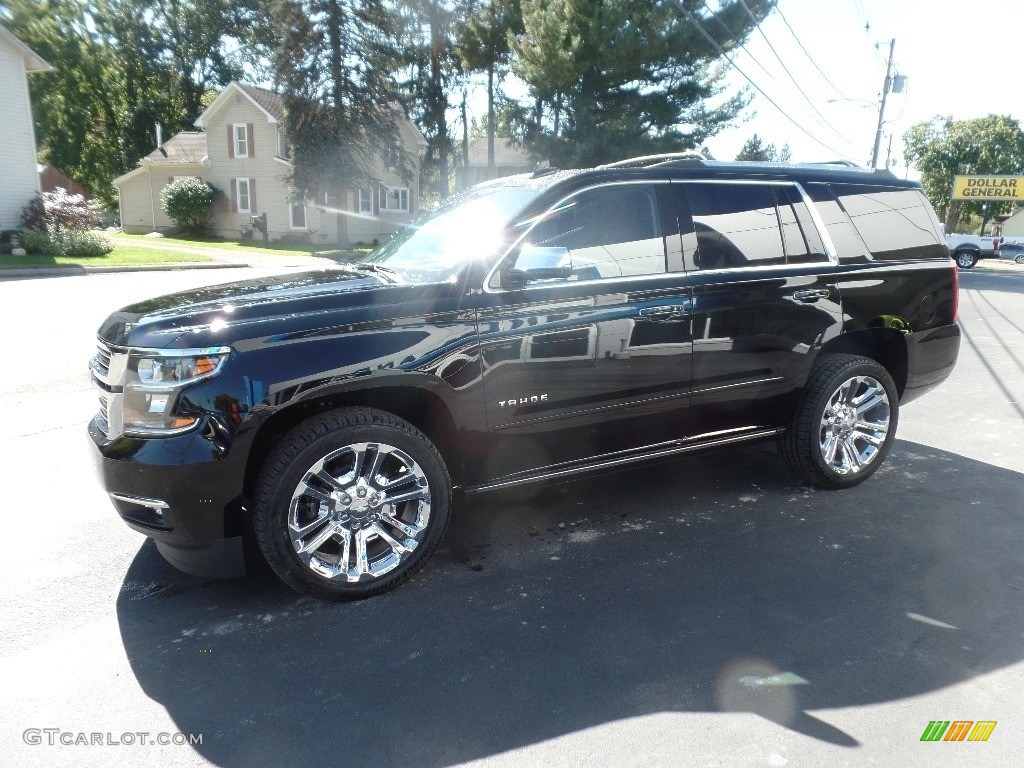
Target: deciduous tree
{"x":943,"y":148}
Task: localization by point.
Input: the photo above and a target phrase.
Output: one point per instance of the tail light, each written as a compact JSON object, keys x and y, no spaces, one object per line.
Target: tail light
{"x":956,"y":294}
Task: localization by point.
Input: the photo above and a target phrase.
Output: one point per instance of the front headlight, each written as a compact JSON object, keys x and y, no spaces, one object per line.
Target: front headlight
{"x":154,"y":380}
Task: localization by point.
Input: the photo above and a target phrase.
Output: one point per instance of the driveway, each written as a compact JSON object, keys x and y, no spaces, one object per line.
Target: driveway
{"x":705,"y":611}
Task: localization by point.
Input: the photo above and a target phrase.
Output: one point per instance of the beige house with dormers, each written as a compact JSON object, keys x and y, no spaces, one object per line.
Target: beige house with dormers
{"x":241,"y":150}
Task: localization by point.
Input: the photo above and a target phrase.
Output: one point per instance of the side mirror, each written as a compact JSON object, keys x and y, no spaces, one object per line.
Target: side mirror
{"x":539,"y":262}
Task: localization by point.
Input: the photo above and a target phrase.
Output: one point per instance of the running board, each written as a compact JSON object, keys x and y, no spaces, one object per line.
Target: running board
{"x":604,"y":461}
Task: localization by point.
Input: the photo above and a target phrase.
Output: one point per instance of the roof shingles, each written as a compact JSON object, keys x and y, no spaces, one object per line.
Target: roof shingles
{"x":184,"y":147}
{"x":268,"y":100}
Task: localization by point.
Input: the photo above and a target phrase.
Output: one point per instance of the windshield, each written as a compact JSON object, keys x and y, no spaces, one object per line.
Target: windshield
{"x":469,"y":227}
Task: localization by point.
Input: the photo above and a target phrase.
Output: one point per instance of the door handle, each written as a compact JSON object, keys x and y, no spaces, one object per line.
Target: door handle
{"x":809,"y":297}
{"x":665,"y":314}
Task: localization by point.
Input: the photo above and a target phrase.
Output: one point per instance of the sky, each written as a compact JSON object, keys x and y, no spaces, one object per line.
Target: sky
{"x":958,"y":56}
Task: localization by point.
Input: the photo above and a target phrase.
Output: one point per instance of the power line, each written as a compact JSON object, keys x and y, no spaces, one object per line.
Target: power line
{"x":758,"y":88}
{"x":821,"y":119}
{"x":808,"y":55}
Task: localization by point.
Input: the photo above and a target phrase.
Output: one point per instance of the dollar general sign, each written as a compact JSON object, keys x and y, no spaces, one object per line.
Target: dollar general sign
{"x":988,"y":188}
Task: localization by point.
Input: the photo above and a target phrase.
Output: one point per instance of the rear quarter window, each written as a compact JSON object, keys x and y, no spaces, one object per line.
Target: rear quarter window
{"x":895,"y":224}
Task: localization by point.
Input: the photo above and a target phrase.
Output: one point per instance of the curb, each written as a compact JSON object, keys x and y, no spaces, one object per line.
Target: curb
{"x":77,"y":271}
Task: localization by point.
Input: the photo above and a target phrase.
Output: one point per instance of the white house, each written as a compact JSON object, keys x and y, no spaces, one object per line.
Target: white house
{"x":19,"y":175}
{"x":240,"y":149}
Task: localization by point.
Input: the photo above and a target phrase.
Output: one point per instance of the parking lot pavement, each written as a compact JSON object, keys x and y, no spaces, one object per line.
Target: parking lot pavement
{"x":705,"y":611}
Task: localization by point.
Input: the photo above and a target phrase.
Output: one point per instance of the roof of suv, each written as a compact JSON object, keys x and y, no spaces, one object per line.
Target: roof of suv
{"x":691,"y":167}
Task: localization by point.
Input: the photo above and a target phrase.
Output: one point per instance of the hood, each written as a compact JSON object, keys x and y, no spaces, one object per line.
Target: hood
{"x":217,"y":312}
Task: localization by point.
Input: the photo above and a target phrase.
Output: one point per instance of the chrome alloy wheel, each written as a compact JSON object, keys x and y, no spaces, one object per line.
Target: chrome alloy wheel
{"x":359,"y":512}
{"x":854,"y":425}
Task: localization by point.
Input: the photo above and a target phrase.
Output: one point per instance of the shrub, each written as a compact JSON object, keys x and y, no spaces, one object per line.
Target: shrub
{"x":79,"y":244}
{"x":189,"y":204}
{"x":66,"y":242}
{"x":59,"y":211}
{"x":34,"y":240}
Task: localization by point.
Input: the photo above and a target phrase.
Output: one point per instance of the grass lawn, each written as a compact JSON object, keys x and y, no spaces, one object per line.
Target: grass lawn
{"x":120,"y":256}
{"x":256,"y":244}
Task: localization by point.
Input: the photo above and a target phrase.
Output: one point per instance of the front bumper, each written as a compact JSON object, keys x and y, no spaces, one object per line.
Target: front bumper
{"x":184,"y":492}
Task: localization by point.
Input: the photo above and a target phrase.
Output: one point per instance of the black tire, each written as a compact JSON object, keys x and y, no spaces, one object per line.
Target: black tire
{"x":966,"y":258}
{"x":316,"y":486}
{"x":837,"y":440}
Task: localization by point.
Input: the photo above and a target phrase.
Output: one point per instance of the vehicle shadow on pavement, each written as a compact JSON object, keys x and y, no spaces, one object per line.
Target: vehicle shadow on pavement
{"x":709,"y":584}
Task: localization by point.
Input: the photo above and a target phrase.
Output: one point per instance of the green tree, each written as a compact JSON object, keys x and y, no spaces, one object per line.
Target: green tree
{"x":755,"y":149}
{"x":943,"y":148}
{"x":613,"y":78}
{"x":431,"y":71}
{"x":334,"y":64}
{"x":483,"y":46}
{"x":120,"y":66}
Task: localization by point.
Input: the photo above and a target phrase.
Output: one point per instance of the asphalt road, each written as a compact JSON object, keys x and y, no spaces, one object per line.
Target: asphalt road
{"x":706,"y":612}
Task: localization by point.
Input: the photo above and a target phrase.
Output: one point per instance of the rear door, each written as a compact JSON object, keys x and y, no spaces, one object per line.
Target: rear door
{"x":764,"y":299}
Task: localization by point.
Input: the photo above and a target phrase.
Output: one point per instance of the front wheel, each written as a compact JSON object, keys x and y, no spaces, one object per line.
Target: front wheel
{"x":845,"y":424}
{"x":351,"y":503}
{"x":966,"y":259}
{"x":1019,"y":259}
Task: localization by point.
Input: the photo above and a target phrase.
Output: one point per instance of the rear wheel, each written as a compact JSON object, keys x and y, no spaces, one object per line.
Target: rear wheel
{"x":966,"y":258}
{"x":845,"y":424}
{"x":351,"y":503}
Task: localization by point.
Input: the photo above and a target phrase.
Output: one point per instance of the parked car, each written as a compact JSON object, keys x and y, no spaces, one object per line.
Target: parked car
{"x":968,"y":249}
{"x":532,"y":329}
{"x":1014,"y":251}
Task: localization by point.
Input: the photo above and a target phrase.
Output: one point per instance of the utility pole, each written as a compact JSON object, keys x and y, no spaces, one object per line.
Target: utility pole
{"x":881,"y":107}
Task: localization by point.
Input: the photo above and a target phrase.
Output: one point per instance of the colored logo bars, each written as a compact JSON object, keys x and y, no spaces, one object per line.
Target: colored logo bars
{"x":958,"y":730}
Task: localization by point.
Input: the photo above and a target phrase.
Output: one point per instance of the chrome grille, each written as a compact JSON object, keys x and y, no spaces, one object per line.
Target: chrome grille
{"x":103,"y":357}
{"x":108,"y":371}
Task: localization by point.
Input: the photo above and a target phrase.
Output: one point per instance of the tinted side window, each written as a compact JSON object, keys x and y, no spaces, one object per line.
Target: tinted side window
{"x":800,"y":237}
{"x":736,"y":225}
{"x":846,"y":239}
{"x":894,"y":223}
{"x":611,"y":231}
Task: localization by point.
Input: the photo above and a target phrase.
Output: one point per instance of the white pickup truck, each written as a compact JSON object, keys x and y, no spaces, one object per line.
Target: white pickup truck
{"x":967,"y":249}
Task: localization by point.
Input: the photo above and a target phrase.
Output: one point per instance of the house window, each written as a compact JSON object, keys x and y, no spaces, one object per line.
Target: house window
{"x":393,"y":156}
{"x":243,"y":195}
{"x":241,"y":140}
{"x":394,"y":198}
{"x":366,"y":201}
{"x":283,"y":150}
{"x":299,"y":216}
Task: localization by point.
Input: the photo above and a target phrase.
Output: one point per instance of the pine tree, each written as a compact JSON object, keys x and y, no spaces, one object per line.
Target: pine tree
{"x":334,"y":65}
{"x":483,"y":46}
{"x":614,"y":78}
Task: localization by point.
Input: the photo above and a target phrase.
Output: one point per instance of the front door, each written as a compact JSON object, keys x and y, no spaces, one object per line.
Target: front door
{"x":598,"y":359}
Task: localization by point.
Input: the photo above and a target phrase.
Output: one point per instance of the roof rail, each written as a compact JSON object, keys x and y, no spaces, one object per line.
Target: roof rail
{"x":642,"y":162}
{"x":846,"y":163}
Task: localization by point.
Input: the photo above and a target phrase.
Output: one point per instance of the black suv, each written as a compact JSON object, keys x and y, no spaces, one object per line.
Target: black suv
{"x":529,"y":329}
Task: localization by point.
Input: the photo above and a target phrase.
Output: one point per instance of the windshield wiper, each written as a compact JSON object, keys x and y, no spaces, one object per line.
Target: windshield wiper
{"x":376,"y":269}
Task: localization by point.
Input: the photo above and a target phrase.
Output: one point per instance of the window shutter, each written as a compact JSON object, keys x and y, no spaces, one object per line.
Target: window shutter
{"x":250,"y":137}
{"x":252,"y":196}
{"x":234,"y":196}
{"x":231,"y":141}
